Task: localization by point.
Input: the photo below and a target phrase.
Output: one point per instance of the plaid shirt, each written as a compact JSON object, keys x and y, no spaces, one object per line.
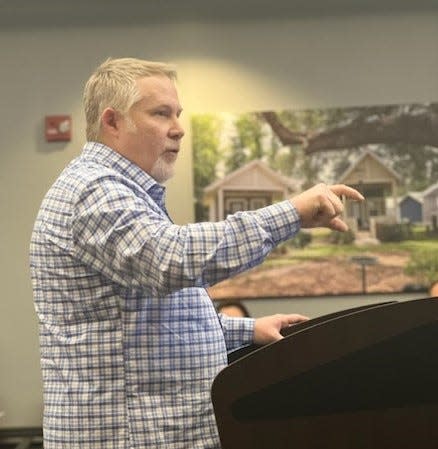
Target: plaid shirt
{"x":130,"y":340}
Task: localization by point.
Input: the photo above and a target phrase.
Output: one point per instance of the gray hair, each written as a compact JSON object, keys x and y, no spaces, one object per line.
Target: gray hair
{"x":113,"y":84}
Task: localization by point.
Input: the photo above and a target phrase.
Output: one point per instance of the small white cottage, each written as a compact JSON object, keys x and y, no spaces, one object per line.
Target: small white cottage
{"x":430,"y":205}
{"x":377,"y":182}
{"x":251,"y":186}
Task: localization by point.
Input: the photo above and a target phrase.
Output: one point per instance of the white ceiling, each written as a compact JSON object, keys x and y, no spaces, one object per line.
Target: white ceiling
{"x":37,"y":13}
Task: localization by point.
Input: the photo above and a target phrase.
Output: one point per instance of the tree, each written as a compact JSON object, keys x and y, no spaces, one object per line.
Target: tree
{"x":406,"y":135}
{"x":412,"y":124}
{"x":205,"y":133}
{"x":247,"y":144}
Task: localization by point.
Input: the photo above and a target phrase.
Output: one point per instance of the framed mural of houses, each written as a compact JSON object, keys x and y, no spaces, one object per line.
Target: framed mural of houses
{"x":389,"y":153}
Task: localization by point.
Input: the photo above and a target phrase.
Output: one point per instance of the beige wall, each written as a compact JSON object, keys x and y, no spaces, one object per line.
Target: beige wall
{"x":235,"y":66}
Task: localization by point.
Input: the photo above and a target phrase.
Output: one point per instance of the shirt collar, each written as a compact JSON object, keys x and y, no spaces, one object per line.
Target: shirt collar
{"x":102,"y":154}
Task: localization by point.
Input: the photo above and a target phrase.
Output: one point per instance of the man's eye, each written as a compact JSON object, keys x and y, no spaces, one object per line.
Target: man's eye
{"x":162,"y":113}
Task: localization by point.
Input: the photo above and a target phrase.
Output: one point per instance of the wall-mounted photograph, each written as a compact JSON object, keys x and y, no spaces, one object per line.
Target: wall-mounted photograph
{"x":389,"y":153}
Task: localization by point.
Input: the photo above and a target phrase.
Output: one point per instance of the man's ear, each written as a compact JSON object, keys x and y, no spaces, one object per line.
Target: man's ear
{"x":110,"y":120}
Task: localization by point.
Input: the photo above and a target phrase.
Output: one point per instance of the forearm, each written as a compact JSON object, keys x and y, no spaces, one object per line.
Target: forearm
{"x":144,"y":250}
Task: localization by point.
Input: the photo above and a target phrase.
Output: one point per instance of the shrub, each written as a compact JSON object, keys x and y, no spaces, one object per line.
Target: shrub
{"x":393,"y":232}
{"x":301,"y":240}
{"x":424,"y":266}
{"x":342,"y":238}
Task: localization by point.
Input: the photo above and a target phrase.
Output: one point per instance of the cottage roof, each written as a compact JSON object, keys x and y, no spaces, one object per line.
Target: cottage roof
{"x":277,"y":178}
{"x":431,"y":190}
{"x":417,"y":196}
{"x":364,"y":155}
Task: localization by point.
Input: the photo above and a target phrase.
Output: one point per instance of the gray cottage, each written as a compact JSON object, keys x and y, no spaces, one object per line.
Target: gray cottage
{"x":411,"y":207}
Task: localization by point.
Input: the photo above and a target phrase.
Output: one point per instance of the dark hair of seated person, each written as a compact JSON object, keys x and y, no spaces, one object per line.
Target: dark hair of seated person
{"x":233,"y":308}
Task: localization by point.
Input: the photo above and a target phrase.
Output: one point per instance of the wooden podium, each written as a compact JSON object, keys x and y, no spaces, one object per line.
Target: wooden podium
{"x":362,"y":378}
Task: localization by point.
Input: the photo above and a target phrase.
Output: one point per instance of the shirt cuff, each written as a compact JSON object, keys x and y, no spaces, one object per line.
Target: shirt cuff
{"x":280,"y":220}
{"x":237,"y":331}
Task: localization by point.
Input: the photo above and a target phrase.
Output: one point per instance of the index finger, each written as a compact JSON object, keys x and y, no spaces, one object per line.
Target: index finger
{"x":349,"y":192}
{"x":293,"y":318}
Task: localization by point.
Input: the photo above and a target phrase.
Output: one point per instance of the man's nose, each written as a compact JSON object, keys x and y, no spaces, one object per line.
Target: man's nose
{"x":177,"y":131}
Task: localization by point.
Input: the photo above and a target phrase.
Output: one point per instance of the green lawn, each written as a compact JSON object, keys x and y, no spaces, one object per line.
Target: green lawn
{"x":317,"y":250}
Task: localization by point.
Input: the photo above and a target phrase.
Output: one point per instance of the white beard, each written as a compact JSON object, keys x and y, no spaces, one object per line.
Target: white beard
{"x":162,"y":171}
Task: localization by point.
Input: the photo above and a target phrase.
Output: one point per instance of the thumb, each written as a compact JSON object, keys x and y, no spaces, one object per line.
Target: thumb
{"x":276,"y":336}
{"x":338,"y":225}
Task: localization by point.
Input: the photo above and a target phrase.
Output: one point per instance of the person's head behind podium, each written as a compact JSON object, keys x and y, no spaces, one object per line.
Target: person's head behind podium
{"x":233,"y":309}
{"x":433,"y":289}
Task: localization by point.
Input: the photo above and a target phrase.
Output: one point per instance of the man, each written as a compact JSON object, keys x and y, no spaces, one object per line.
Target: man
{"x":130,"y":340}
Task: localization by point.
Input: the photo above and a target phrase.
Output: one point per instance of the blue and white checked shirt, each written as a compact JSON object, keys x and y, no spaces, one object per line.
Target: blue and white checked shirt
{"x":130,"y":340}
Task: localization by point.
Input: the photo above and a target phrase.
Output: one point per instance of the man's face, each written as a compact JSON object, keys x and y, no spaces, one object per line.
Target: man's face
{"x":150,"y":135}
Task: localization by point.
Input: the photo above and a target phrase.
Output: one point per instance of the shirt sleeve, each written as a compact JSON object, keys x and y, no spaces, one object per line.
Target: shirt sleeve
{"x":131,"y":241}
{"x":237,"y":331}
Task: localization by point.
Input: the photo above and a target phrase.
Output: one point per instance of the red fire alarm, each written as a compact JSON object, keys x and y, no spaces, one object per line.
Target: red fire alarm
{"x":58,"y":128}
